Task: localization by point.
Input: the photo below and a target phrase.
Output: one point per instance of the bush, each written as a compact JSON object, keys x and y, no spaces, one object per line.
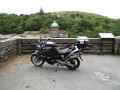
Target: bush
{"x":43,"y":30}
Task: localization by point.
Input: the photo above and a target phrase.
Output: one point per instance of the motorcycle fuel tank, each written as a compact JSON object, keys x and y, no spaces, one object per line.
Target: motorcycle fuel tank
{"x":51,"y":44}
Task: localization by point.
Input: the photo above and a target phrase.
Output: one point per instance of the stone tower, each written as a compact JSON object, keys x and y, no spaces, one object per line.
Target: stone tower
{"x":54,"y":30}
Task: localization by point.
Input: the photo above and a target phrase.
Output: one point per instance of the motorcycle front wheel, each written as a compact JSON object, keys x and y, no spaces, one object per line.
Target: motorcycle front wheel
{"x":74,"y":62}
{"x":36,"y":60}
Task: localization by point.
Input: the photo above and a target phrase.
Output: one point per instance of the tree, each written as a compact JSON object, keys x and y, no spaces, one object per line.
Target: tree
{"x":72,"y":15}
{"x":44,"y":30}
{"x":81,"y":16}
{"x":19,"y":30}
{"x":41,"y":12}
{"x":77,"y":14}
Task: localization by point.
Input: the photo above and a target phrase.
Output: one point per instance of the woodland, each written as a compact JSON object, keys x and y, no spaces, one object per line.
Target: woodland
{"x":74,"y":22}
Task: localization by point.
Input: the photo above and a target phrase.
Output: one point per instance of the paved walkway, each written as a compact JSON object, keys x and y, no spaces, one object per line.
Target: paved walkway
{"x":95,"y":73}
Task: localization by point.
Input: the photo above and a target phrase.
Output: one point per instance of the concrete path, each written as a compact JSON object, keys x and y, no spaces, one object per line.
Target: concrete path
{"x":95,"y":73}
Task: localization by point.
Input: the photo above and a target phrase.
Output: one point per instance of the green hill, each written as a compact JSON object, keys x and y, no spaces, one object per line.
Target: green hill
{"x":68,"y":13}
{"x":81,"y":23}
{"x":74,"y":22}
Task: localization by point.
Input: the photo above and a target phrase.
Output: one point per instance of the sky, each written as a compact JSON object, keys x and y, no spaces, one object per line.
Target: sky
{"x":109,"y":8}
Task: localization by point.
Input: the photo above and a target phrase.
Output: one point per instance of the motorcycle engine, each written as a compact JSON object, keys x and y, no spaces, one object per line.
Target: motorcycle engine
{"x":52,"y":61}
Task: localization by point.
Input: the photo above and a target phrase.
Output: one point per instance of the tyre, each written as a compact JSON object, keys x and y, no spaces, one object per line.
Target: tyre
{"x":36,"y":60}
{"x":75,"y":62}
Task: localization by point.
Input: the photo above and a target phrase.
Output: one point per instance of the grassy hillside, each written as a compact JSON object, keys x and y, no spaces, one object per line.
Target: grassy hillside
{"x":69,"y":13}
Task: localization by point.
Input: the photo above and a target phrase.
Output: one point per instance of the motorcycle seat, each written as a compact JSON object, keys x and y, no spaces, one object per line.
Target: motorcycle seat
{"x":63,"y":51}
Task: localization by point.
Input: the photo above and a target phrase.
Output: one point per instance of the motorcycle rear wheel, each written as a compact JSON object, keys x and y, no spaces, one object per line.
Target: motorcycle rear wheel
{"x":36,"y":60}
{"x":75,"y":62}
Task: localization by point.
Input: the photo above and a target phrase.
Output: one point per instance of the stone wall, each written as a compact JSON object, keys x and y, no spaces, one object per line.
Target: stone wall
{"x":10,"y":48}
{"x":94,"y":45}
{"x":7,"y":49}
{"x":117,"y":46}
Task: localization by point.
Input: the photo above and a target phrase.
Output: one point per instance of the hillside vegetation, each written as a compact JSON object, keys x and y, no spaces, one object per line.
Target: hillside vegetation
{"x":74,"y":22}
{"x":81,"y":14}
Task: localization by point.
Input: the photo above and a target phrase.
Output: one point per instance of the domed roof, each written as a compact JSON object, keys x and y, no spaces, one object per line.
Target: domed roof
{"x":54,"y":24}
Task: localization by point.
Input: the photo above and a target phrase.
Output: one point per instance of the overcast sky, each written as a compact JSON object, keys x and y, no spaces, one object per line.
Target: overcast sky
{"x":109,"y":8}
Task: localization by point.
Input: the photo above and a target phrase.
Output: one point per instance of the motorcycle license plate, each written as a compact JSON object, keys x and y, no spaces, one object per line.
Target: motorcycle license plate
{"x":81,"y":57}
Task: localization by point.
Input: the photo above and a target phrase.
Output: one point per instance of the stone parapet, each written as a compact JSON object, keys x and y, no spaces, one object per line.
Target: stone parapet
{"x":117,"y":46}
{"x":7,"y":49}
{"x":94,"y":45}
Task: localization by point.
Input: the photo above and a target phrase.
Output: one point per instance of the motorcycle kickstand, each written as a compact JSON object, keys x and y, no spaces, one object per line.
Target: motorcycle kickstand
{"x":57,"y":66}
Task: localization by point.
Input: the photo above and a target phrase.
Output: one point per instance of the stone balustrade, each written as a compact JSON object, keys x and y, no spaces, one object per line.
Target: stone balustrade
{"x":10,"y":48}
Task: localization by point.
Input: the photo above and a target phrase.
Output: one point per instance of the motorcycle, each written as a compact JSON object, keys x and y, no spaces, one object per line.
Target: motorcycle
{"x":48,"y":51}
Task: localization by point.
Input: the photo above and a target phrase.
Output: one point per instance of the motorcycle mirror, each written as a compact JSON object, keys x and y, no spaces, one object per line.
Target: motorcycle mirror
{"x":39,"y":38}
{"x":49,"y":39}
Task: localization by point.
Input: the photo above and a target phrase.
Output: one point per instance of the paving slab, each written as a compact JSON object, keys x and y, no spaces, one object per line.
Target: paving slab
{"x":96,"y":72}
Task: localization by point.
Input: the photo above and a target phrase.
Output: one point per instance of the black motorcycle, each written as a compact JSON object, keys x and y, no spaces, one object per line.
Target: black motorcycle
{"x":47,"y":51}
